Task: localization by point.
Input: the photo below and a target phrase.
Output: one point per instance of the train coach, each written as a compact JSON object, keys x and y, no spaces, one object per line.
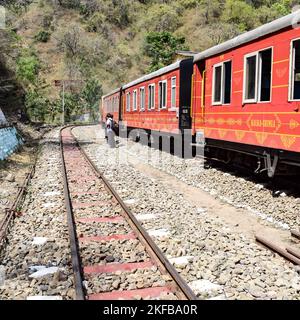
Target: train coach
{"x":247,"y":95}
{"x":242,"y":97}
{"x":111,"y":104}
{"x":156,"y":105}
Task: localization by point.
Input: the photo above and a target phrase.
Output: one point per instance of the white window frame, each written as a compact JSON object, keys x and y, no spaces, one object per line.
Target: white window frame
{"x":142,"y":102}
{"x":257,"y":98}
{"x":173,"y":86}
{"x":151,"y":106}
{"x":217,"y":103}
{"x":291,"y":75}
{"x":159,"y":95}
{"x":222,"y":101}
{"x":134,"y":100}
{"x":128,"y":102}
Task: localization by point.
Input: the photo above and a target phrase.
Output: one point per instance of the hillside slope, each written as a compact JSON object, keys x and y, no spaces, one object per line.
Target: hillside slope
{"x":114,"y":42}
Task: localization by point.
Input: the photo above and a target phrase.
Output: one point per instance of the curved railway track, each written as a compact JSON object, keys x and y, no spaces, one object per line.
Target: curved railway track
{"x":102,"y":229}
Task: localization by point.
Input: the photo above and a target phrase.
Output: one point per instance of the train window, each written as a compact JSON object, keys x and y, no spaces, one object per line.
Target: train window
{"x":265,"y":75}
{"x":251,"y":74}
{"x":295,"y":74}
{"x":227,"y":81}
{"x":142,"y":99}
{"x":128,"y":102}
{"x":163,"y":94}
{"x":217,"y":84}
{"x":258,"y":76}
{"x":151,"y":96}
{"x":173,"y":92}
{"x":134,"y":103}
{"x":222,"y":83}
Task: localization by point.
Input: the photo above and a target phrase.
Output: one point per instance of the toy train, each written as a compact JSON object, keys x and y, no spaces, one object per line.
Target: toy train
{"x":242,"y":97}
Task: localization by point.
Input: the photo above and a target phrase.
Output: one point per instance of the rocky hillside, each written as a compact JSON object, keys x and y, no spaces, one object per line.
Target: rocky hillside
{"x":104,"y":43}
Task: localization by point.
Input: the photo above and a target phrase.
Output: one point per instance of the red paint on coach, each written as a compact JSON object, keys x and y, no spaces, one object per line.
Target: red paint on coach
{"x":110,"y":104}
{"x":274,"y":124}
{"x":158,"y":119}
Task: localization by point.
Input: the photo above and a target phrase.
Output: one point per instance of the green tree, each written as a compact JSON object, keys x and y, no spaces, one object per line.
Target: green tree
{"x":240,"y":13}
{"x":91,"y":94}
{"x":162,"y":47}
{"x":36,"y":105}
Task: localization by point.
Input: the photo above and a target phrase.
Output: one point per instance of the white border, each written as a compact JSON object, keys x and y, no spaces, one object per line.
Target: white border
{"x":140,"y":100}
{"x":134,"y":100}
{"x":159,"y":97}
{"x":291,"y":73}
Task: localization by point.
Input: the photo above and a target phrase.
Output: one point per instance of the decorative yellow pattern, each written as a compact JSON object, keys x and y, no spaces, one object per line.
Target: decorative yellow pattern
{"x":211,"y":120}
{"x":222,"y":133}
{"x":230,"y":122}
{"x":220,"y":121}
{"x":240,"y":135}
{"x":207,"y":131}
{"x":261,"y":137}
{"x":239,"y":122}
{"x":278,"y":122}
{"x":294,"y":124}
{"x":288,"y":141}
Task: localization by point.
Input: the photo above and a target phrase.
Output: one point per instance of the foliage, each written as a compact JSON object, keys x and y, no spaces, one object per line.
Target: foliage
{"x":36,"y":105}
{"x":70,"y":41}
{"x":42,"y":36}
{"x":27,"y":66}
{"x":91,"y":94}
{"x":161,"y":47}
{"x":70,"y":4}
{"x":162,"y":17}
{"x":113,"y":41}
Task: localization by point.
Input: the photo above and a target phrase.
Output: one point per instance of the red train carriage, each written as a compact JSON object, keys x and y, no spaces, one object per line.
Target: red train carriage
{"x":160,"y":101}
{"x":246,"y":94}
{"x":111,"y":104}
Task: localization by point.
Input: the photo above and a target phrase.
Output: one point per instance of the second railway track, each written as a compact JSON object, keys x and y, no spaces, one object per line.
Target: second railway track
{"x":113,"y":257}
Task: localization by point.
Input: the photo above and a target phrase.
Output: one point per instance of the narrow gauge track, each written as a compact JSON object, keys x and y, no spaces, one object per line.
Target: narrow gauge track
{"x":107,"y":241}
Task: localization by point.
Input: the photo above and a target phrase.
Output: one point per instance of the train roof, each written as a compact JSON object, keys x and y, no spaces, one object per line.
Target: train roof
{"x":292,"y":19}
{"x":154,"y":74}
{"x":112,"y":92}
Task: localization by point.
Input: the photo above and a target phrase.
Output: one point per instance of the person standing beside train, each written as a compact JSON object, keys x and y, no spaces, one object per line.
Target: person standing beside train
{"x":109,"y":130}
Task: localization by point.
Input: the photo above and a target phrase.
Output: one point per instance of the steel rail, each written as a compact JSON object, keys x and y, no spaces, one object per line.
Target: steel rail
{"x":295,"y":233}
{"x":293,"y":251}
{"x":10,"y":213}
{"x":278,"y":249}
{"x":143,"y":236}
{"x":75,"y":256}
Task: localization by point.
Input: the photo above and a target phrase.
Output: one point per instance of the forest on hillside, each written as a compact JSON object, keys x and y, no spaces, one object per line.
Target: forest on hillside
{"x":104,"y":43}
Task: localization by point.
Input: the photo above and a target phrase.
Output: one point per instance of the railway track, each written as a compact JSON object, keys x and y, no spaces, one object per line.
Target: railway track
{"x":113,"y":257}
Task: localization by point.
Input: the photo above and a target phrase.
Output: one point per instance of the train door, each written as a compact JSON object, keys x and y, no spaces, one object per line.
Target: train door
{"x":185,"y":87}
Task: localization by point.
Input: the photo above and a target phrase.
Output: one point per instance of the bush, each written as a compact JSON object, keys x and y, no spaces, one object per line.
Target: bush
{"x":162,"y":18}
{"x":241,"y":14}
{"x":162,"y":47}
{"x":27,"y":67}
{"x":42,"y":36}
{"x":70,"y":4}
{"x":36,"y":105}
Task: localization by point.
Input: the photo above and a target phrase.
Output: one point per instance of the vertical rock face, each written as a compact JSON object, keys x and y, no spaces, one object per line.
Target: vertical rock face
{"x":9,"y":139}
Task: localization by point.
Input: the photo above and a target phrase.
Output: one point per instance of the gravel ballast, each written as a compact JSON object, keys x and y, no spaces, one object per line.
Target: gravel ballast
{"x":216,"y":261}
{"x":36,"y":260}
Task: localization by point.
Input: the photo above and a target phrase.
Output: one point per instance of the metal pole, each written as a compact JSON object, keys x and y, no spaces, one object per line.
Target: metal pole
{"x":63,"y":104}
